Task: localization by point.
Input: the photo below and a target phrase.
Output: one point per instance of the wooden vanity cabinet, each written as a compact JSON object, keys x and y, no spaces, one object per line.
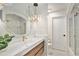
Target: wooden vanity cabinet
{"x":36,"y":51}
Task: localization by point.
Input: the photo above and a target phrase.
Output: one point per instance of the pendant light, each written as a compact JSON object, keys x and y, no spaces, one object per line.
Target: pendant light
{"x":35,"y":15}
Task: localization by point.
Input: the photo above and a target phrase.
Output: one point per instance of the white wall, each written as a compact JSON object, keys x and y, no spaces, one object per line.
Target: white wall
{"x":20,"y":8}
{"x":2,"y":27}
{"x":2,"y":24}
{"x":50,"y":28}
{"x":40,"y":27}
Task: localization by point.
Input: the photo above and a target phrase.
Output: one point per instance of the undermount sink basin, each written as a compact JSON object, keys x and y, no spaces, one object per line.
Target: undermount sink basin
{"x":16,"y":46}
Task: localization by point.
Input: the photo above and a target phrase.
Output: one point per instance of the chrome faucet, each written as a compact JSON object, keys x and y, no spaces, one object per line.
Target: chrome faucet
{"x":23,"y":38}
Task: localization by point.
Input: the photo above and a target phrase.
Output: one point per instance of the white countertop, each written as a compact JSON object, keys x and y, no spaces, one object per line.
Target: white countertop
{"x":21,"y":48}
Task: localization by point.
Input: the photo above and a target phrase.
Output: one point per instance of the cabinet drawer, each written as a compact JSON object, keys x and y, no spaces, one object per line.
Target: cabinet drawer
{"x":35,"y":50}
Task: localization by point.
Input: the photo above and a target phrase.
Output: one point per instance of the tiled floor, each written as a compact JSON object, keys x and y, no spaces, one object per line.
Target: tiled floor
{"x":54,"y":52}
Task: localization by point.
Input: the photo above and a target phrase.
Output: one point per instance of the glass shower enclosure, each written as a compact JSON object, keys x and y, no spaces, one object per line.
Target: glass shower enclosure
{"x":71,"y":34}
{"x":74,"y":32}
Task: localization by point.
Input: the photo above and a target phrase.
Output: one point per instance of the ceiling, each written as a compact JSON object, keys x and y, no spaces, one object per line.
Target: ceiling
{"x":57,"y":6}
{"x":57,"y":9}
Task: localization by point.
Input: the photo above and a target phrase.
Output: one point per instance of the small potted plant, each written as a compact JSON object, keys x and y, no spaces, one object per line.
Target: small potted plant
{"x":4,"y":40}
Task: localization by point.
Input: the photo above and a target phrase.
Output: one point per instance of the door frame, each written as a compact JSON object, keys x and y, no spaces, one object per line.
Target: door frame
{"x":65,"y":33}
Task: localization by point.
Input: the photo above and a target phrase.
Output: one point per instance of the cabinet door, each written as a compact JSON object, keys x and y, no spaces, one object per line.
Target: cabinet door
{"x":40,"y":53}
{"x":35,"y":50}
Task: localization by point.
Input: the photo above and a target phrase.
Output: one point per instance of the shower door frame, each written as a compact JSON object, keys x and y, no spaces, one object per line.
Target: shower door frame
{"x":75,"y":40}
{"x":74,"y":50}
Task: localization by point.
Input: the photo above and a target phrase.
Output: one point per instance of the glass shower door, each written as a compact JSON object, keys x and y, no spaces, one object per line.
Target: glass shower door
{"x":76,"y":30}
{"x":71,"y":34}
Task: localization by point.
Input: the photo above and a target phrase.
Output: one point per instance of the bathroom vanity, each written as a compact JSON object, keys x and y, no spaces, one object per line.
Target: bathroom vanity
{"x":31,"y":47}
